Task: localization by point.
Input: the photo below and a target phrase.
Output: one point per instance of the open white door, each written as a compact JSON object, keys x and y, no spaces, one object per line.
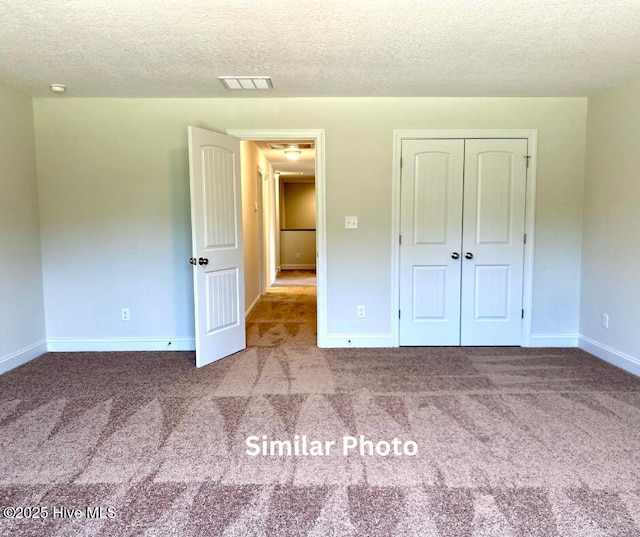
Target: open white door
{"x":216,"y":225}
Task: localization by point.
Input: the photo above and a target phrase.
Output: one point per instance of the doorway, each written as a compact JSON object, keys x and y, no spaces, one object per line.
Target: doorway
{"x":293,"y":244}
{"x":297,"y":224}
{"x":292,"y":213}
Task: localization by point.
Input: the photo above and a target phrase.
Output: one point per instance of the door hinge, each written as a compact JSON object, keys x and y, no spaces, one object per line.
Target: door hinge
{"x":525,"y":238}
{"x":400,"y":162}
{"x":522,"y":317}
{"x":400,"y":240}
{"x":526,"y":159}
{"x":399,"y":314}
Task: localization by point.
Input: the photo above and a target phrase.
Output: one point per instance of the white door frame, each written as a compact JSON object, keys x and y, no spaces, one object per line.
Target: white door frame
{"x":317,"y":136}
{"x":532,"y":145}
{"x":262,"y":262}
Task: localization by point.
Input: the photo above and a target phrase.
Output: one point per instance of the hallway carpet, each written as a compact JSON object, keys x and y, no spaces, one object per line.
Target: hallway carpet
{"x":295,"y":278}
{"x":510,"y":442}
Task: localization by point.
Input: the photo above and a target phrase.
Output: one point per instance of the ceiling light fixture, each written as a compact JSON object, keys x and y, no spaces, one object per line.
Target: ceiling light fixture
{"x":58,"y":88}
{"x":292,"y":154}
{"x":246,"y":82}
{"x":297,"y":145}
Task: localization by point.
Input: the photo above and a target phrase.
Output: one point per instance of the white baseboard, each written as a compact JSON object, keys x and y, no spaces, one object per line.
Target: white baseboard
{"x":252,"y":306}
{"x":310,"y":266}
{"x":339,"y":341}
{"x":613,"y":356}
{"x":552,"y":340}
{"x":121,"y":344}
{"x":22,"y":356}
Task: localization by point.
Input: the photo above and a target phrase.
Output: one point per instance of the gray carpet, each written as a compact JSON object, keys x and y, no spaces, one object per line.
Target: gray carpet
{"x":511,"y":442}
{"x":295,"y":278}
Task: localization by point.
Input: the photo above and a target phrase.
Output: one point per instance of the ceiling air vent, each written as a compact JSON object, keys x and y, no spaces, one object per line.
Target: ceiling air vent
{"x":246,"y":82}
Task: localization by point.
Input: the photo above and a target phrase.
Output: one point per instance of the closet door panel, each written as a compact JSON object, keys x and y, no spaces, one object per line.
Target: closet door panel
{"x":431,"y":227}
{"x":493,"y":242}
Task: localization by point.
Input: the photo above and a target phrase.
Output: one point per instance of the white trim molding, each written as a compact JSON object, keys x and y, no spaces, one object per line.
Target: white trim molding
{"x":615,"y":357}
{"x":298,"y":267}
{"x":318,"y":136}
{"x":336,"y":341}
{"x":22,"y":356}
{"x":531,"y":135}
{"x":252,"y":306}
{"x":121,"y":344}
{"x":552,"y":340}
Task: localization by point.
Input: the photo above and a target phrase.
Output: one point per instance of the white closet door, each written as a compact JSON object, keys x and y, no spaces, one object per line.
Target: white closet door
{"x":431,"y":230}
{"x":493,"y":242}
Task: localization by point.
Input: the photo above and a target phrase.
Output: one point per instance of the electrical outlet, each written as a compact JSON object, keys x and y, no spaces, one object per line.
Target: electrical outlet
{"x":351,"y":222}
{"x":361,"y":312}
{"x":605,"y":320}
{"x":125,"y":314}
{"x":297,"y":256}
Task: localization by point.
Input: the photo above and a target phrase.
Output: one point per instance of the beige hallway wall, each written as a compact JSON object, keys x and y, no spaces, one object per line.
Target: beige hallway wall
{"x":252,"y":161}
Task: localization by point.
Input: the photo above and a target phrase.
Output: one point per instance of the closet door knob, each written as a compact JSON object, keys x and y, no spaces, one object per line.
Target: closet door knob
{"x":193,"y":260}
{"x":203,"y":261}
{"x":455,"y":255}
{"x":468,"y":255}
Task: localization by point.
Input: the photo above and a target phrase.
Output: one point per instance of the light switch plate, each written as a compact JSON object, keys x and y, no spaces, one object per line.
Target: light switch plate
{"x":351,"y":222}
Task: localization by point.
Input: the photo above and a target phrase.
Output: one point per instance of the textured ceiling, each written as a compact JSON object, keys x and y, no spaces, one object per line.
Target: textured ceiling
{"x":177,"y":48}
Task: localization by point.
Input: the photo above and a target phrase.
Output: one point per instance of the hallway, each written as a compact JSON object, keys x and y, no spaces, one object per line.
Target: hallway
{"x":285,"y":317}
{"x":295,"y":278}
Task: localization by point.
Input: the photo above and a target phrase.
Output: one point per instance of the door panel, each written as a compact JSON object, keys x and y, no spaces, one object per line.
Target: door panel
{"x":492,"y":287}
{"x":430,"y":202}
{"x":493,"y":233}
{"x":431,"y":227}
{"x":429,"y":293}
{"x":221,"y":299}
{"x":219,"y":194}
{"x":493,"y":215}
{"x":216,"y":221}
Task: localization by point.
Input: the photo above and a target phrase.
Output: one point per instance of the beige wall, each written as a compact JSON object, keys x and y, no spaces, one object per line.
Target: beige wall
{"x":114,"y":190}
{"x":252,"y":161}
{"x":299,"y":206}
{"x":250,"y":235}
{"x":298,"y":242}
{"x":611,"y":251}
{"x":21,"y":300}
{"x":298,"y":249}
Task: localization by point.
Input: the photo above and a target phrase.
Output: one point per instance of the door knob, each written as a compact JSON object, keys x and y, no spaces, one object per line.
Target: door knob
{"x":193,"y":260}
{"x":468,"y":255}
{"x":455,"y":255}
{"x":203,"y":261}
